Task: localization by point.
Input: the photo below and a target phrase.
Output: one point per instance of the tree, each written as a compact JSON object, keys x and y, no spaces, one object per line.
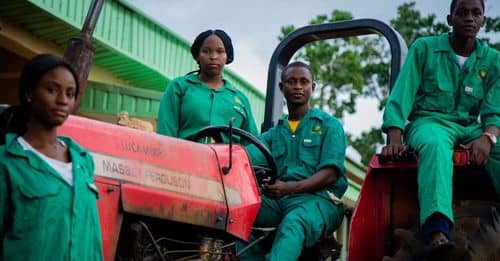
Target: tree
{"x":411,"y":25}
{"x":361,"y":66}
{"x":359,"y":71}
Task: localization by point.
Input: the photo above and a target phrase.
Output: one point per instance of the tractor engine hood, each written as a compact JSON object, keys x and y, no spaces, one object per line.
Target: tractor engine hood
{"x":170,"y":178}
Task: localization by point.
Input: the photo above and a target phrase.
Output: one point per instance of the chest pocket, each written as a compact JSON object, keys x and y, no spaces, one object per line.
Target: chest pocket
{"x":439,"y":96}
{"x":473,"y":95}
{"x":36,"y":204}
{"x":90,"y":204}
{"x":94,"y":190}
{"x":309,"y":150}
{"x":240,"y":116}
{"x":90,"y":189}
{"x":278,"y":150}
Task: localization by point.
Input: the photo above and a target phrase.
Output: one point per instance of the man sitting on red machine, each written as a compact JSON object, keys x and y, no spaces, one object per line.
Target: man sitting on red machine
{"x":309,"y":148}
{"x":446,"y":83}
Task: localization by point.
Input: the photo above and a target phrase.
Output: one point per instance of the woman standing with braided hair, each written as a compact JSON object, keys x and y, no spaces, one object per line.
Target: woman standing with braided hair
{"x":48,"y":207}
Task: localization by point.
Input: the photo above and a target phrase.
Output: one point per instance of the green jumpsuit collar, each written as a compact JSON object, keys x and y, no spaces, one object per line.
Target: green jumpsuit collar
{"x":312,"y":113}
{"x":444,"y":45}
{"x":14,"y":148}
{"x":193,"y":78}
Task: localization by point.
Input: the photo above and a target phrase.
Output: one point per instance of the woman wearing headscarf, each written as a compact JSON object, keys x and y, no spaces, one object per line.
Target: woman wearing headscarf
{"x":204,"y":98}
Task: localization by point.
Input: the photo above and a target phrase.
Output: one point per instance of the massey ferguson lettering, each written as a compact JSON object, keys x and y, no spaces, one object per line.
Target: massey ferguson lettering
{"x":149,"y":175}
{"x":162,"y":178}
{"x":117,"y":168}
{"x":144,"y":174}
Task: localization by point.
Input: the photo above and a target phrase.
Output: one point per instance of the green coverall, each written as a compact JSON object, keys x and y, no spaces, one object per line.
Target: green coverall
{"x":318,"y":142}
{"x":41,"y":216}
{"x":189,"y":105}
{"x":442,"y":102}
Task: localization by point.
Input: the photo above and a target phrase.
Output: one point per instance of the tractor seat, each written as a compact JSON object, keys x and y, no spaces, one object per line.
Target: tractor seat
{"x":461,"y":157}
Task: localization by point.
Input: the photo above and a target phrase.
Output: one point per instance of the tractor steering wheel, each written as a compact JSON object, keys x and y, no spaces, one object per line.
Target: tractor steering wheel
{"x":261,"y":173}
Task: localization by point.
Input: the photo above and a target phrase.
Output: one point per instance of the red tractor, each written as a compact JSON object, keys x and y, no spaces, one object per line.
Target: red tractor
{"x":164,"y":198}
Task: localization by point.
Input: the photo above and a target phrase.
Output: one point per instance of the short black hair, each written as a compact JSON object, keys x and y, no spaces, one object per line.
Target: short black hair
{"x":453,"y":5}
{"x":297,"y":64}
{"x":34,"y":70}
{"x":226,"y":40}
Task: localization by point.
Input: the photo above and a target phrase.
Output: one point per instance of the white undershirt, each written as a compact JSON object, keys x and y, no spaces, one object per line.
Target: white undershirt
{"x":65,"y":169}
{"x":461,"y":60}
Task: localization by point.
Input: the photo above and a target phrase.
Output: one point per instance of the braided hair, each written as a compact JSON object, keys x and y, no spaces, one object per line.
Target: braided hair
{"x":226,"y":40}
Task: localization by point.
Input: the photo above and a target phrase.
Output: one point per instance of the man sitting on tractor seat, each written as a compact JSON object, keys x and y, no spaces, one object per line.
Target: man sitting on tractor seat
{"x":309,"y":148}
{"x":446,"y":82}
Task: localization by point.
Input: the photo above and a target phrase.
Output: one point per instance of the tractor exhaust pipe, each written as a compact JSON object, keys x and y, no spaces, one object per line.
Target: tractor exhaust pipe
{"x":80,"y":51}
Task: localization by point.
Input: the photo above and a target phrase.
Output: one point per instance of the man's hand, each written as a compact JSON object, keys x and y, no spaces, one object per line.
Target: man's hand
{"x":319,"y":180}
{"x":277,"y":190}
{"x":480,"y":150}
{"x":395,"y":148}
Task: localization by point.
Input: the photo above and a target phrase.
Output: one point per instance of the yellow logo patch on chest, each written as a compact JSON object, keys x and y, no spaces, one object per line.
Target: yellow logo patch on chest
{"x":237,"y":100}
{"x":317,"y":129}
{"x":482,"y":74}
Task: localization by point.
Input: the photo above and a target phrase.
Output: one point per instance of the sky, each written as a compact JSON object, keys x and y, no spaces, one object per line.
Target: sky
{"x":255,"y":25}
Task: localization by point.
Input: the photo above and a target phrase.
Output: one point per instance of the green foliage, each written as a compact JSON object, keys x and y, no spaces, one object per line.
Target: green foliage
{"x":365,"y":143}
{"x":411,"y":25}
{"x":349,"y":68}
{"x":345,"y":68}
{"x":491,"y":26}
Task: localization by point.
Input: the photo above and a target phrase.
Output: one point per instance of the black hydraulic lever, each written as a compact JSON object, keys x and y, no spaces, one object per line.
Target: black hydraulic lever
{"x":226,"y":169}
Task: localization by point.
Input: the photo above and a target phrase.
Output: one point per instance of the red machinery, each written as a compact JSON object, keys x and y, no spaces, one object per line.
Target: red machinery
{"x":164,"y":198}
{"x":388,"y":200}
{"x":388,"y":197}
{"x":157,"y":191}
